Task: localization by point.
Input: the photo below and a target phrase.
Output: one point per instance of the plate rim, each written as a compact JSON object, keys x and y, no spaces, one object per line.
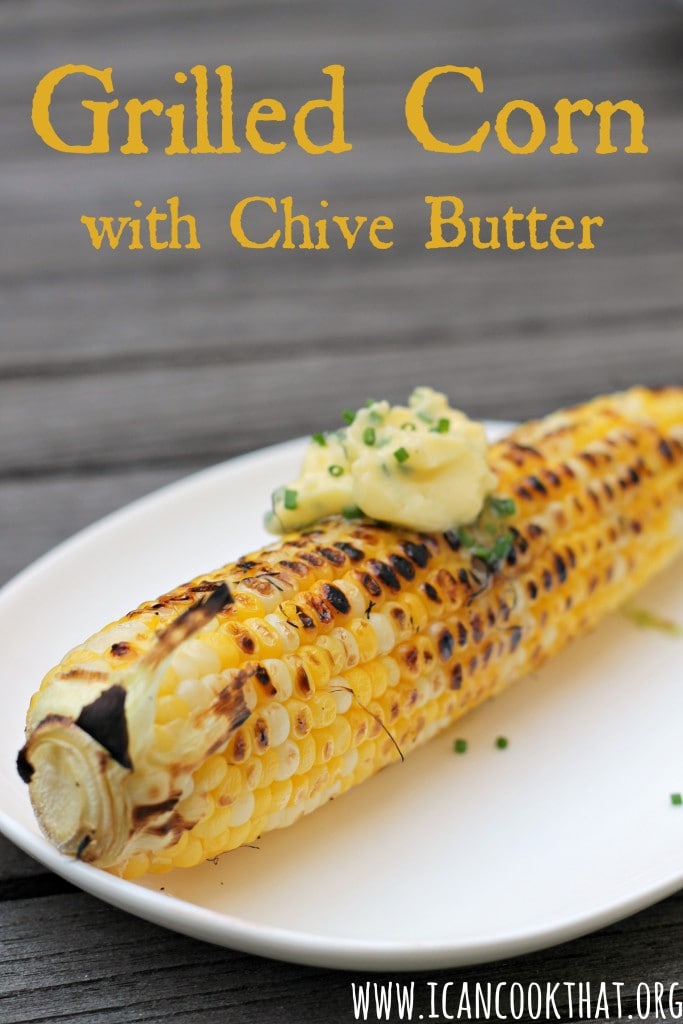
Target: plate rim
{"x":273,"y":941}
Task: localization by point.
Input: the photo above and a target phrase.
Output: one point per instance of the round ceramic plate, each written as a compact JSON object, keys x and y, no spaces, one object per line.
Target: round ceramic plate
{"x":446,"y":859}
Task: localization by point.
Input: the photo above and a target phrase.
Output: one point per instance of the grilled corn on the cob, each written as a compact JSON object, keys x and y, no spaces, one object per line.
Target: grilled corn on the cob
{"x":248,"y":697}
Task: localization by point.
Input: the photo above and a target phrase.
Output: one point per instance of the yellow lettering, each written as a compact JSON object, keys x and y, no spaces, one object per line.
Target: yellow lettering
{"x":438,"y":219}
{"x":42,"y":99}
{"x":606,"y":111}
{"x":477,"y":242}
{"x":135,"y":109}
{"x":106,"y":231}
{"x":533,"y":218}
{"x":415,"y":116}
{"x":291,"y":219}
{"x":380,"y":224}
{"x":349,"y":234}
{"x":586,"y":224}
{"x":537,"y":127}
{"x":238,"y":230}
{"x":176,"y":115}
{"x":564,"y":109}
{"x":335,"y":105}
{"x":264,"y":110}
{"x":178,"y":219}
{"x":228,"y":144}
{"x":561,"y":224}
{"x":509,"y":218}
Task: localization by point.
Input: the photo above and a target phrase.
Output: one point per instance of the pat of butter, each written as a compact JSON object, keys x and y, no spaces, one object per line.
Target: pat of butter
{"x":423,"y":466}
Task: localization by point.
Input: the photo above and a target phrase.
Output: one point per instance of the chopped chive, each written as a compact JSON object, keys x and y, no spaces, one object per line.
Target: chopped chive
{"x":425,"y":417}
{"x":335,"y":470}
{"x":408,"y":426}
{"x":369,"y":402}
{"x":442,"y":426}
{"x":352,"y":512}
{"x":369,"y":435}
{"x":502,"y":742}
{"x":290,"y":499}
{"x":401,"y":455}
{"x":676,"y":799}
{"x":348,"y":416}
{"x":460,"y":746}
{"x":502,"y":546}
{"x":319,"y":439}
{"x":465,"y":537}
{"x":503,"y":506}
{"x":479,"y":551}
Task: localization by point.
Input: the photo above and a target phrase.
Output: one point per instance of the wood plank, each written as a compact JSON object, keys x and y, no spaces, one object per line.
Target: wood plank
{"x":90,"y":960}
{"x":148,"y":418}
{"x":35,"y":515}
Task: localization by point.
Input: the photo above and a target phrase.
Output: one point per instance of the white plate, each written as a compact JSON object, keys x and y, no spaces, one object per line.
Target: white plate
{"x":447,"y":859}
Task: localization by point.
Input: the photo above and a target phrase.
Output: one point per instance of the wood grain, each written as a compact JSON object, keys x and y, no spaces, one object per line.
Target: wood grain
{"x":121,"y":371}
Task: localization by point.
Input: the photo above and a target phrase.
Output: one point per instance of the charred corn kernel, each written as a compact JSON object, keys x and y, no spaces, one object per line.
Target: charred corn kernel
{"x":277,"y":721}
{"x":300,"y":718}
{"x":279,"y":677}
{"x":225,"y":711}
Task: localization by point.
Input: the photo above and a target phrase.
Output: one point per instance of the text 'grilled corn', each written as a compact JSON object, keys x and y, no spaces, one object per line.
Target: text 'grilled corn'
{"x":246,"y":698}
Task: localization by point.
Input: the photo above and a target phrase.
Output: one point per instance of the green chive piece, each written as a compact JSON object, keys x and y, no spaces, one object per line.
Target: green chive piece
{"x":369,"y":402}
{"x":502,"y":742}
{"x":319,"y":439}
{"x":460,"y":746}
{"x":352,"y":512}
{"x":465,"y":537}
{"x":348,"y":416}
{"x":369,"y":435}
{"x":401,"y":455}
{"x":503,"y":506}
{"x":676,"y":799}
{"x":443,"y":425}
{"x":479,"y":551}
{"x":425,"y":417}
{"x":335,"y":470}
{"x":408,"y":425}
{"x":290,"y":499}
{"x":502,"y":546}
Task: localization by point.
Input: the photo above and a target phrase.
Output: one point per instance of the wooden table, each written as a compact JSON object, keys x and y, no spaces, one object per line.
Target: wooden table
{"x":122,"y":370}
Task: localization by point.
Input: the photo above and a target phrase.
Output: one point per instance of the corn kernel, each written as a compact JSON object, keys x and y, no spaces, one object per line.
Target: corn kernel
{"x":323,"y":710}
{"x":170,"y":709}
{"x":307,"y":752}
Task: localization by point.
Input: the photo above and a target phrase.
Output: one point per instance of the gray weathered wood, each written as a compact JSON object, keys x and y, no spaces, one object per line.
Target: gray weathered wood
{"x":121,"y":371}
